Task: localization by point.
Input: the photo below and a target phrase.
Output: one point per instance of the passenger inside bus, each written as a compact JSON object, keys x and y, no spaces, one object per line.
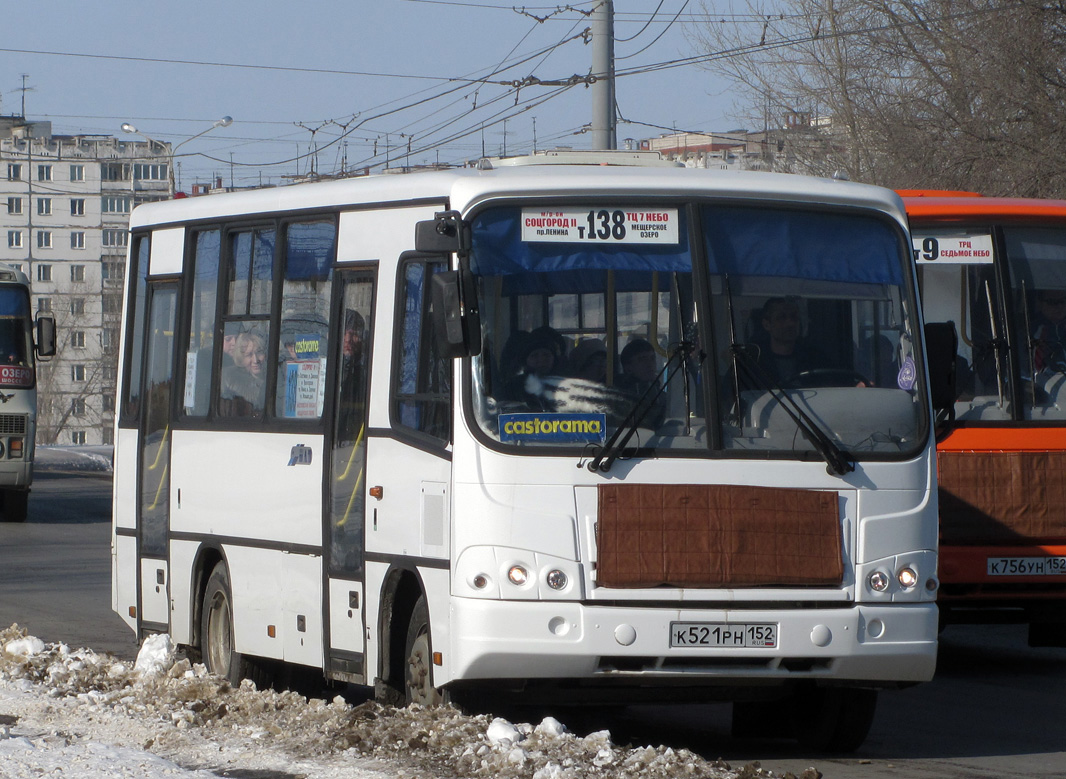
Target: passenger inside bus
{"x":640,"y":374}
{"x":243,"y":383}
{"x":352,"y":388}
{"x":588,"y":360}
{"x":531,"y":355}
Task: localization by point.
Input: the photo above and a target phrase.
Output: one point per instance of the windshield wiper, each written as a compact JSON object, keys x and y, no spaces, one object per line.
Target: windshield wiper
{"x":834,"y":456}
{"x":616,"y":444}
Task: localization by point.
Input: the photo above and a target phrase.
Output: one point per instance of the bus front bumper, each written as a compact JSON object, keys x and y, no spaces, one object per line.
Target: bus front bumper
{"x":881,"y":645}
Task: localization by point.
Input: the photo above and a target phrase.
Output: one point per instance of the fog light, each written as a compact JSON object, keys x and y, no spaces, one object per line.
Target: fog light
{"x":931,"y":584}
{"x":14,"y":448}
{"x":907,"y":578}
{"x":557,"y":580}
{"x":878,"y":581}
{"x":481,"y":581}
{"x":518,"y":575}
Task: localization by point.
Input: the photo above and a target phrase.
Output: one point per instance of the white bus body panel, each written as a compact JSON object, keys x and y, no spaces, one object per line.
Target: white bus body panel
{"x":379,"y":234}
{"x":155,"y":594}
{"x":268,"y":517}
{"x":124,"y":516}
{"x":294,"y":609}
{"x":398,"y":523}
{"x":167,"y":251}
{"x":346,"y":600}
{"x":243,"y":486}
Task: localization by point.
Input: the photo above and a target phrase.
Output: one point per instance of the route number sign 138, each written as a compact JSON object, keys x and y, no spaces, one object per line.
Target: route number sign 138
{"x":600,"y":225}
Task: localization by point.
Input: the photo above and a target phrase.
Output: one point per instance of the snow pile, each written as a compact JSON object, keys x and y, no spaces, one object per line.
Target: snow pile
{"x":199,"y":721}
{"x":97,"y":459}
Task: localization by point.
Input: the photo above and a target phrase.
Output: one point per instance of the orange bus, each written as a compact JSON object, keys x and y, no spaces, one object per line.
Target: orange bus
{"x":996,"y":269}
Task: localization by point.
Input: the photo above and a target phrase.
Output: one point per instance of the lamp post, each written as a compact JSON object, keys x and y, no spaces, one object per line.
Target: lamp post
{"x":225,"y":121}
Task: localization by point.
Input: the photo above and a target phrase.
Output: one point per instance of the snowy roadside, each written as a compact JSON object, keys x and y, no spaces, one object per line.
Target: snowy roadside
{"x":162,"y":716}
{"x":88,"y":459}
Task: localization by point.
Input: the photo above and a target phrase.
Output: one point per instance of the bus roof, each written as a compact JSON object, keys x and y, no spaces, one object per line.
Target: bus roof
{"x":937,"y":206}
{"x":462,"y":188}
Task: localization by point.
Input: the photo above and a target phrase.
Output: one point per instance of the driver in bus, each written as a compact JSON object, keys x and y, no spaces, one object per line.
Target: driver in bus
{"x":783,"y":353}
{"x":1049,"y":331}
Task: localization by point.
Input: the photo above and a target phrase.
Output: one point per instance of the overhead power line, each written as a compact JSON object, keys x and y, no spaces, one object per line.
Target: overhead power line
{"x":244,"y":65}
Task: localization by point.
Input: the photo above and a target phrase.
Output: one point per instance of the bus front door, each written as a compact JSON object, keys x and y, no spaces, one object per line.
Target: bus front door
{"x":347,"y":483}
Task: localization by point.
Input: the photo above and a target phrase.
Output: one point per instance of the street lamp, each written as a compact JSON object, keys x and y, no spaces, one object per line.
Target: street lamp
{"x":225,"y":121}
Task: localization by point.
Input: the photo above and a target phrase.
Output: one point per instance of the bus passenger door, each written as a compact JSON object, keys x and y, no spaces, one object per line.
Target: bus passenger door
{"x":153,"y":509}
{"x":347,"y":477}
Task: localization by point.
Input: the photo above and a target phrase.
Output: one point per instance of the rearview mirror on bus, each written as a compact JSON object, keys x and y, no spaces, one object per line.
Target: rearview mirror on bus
{"x":445,"y":233}
{"x":941,"y":345}
{"x":455,"y":315}
{"x":46,"y":335}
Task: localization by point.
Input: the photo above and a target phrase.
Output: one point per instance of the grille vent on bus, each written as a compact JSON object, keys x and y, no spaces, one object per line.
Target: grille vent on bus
{"x":12,"y":424}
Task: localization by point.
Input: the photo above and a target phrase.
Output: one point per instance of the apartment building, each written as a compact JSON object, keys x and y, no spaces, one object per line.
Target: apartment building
{"x":65,"y":202}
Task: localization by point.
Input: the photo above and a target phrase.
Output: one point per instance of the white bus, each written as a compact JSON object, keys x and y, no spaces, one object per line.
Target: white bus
{"x":522,"y":427}
{"x":18,"y":389}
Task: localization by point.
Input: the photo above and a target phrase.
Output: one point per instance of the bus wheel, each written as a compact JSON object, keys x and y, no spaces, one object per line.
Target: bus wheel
{"x":216,"y":634}
{"x":418,"y":671}
{"x":834,"y":719}
{"x":16,"y":503}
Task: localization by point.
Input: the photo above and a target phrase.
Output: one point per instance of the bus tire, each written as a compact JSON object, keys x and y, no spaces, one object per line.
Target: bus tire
{"x":418,"y":665}
{"x":216,"y":634}
{"x":834,"y":719}
{"x":16,"y":505}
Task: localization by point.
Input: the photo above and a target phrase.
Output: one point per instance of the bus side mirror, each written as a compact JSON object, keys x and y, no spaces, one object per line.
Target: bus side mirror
{"x":453,"y":302}
{"x":446,"y":232}
{"x":46,"y":335}
{"x":941,"y":348}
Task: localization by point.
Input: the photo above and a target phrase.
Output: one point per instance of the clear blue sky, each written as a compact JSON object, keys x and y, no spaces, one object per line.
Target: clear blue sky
{"x":409,"y":75}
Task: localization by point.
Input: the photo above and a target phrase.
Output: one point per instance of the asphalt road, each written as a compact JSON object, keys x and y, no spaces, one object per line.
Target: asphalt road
{"x":995,"y":709}
{"x":55,"y":568}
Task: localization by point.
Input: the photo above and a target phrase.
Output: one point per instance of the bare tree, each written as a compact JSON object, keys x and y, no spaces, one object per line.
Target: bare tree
{"x":72,"y":385}
{"x":949,"y":94}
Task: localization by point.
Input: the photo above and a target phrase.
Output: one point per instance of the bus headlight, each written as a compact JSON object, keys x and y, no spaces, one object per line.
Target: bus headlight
{"x":518,"y":575}
{"x":907,"y":577}
{"x":14,"y":448}
{"x":878,"y":581}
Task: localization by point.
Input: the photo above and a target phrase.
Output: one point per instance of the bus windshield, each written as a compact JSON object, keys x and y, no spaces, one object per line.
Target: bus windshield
{"x":1037,"y":259}
{"x":704,"y":327}
{"x":16,"y":338}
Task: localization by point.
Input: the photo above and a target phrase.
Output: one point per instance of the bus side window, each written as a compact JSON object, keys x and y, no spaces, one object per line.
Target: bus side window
{"x":422,"y":392}
{"x":246,"y":330}
{"x":135,"y":324}
{"x":304,"y":333}
{"x":199,"y":355}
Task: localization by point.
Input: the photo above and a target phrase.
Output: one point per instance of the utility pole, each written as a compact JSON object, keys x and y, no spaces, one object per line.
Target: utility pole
{"x":603,"y":113}
{"x":24,"y":89}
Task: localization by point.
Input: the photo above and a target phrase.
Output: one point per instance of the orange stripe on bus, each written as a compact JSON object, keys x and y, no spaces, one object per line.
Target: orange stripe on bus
{"x":1004,"y":439}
